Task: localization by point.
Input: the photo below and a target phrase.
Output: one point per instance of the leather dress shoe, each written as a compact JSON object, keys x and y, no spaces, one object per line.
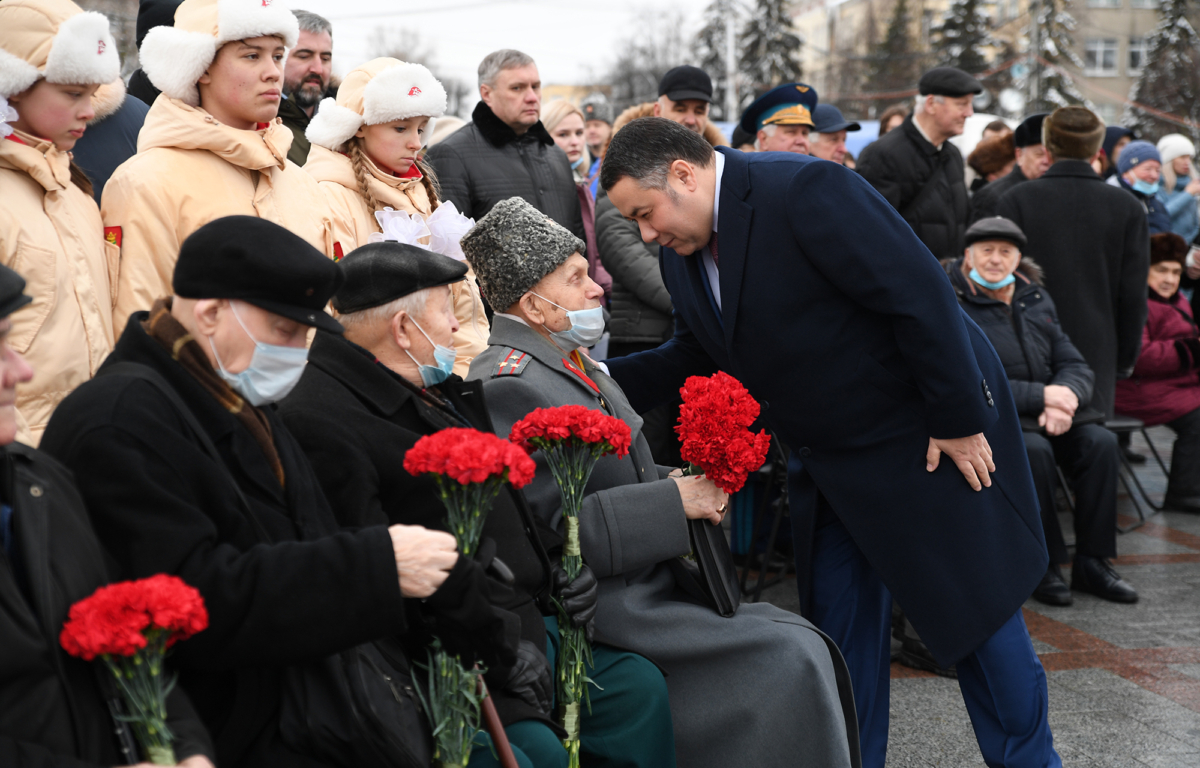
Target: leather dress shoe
{"x":1182,"y":503}
{"x":1132,"y":456}
{"x":1096,"y":576}
{"x":1053,"y":589}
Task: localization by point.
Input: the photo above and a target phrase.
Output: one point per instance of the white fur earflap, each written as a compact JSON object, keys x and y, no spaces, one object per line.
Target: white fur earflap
{"x":83,"y":52}
{"x":244,"y":19}
{"x":401,"y":92}
{"x":333,"y":125}
{"x":175,"y":59}
{"x":107,"y":99}
{"x":16,"y":74}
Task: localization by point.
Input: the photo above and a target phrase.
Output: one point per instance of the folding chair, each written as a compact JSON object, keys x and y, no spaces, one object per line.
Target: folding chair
{"x":1122,"y":425}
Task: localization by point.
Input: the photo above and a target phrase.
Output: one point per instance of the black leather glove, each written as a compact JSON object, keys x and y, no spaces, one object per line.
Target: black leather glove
{"x":531,"y":680}
{"x":578,"y":597}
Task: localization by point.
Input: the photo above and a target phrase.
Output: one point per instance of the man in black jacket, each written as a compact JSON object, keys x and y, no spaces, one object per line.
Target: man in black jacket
{"x":918,"y":170}
{"x":1032,"y":161}
{"x":505,"y":151}
{"x":1092,"y":241}
{"x":364,"y":401}
{"x":54,"y":707}
{"x":1051,"y":385}
{"x":241,"y":516}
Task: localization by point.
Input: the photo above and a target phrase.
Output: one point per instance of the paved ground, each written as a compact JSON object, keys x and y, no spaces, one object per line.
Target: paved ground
{"x":1124,"y":680}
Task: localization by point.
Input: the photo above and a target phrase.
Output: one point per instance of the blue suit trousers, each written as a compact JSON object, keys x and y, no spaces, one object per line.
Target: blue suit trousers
{"x":1002,"y":682}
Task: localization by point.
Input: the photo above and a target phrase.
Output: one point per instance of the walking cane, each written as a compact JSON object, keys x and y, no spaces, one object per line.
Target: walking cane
{"x":491,"y":722}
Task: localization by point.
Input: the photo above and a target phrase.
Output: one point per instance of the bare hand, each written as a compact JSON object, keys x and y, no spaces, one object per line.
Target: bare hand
{"x":424,"y":558}
{"x":196,"y":761}
{"x":702,"y":499}
{"x":1193,"y":187}
{"x":972,"y":455}
{"x":1055,"y":421}
{"x":1060,"y":397}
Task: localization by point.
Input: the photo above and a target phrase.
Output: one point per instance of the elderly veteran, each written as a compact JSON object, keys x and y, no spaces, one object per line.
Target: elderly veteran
{"x":365,"y":398}
{"x":186,"y":470}
{"x":1051,"y":385}
{"x":781,"y":683}
{"x":781,"y":119}
{"x":831,"y":130}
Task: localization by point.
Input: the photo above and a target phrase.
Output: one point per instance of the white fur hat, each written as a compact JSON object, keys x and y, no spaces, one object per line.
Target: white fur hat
{"x":175,"y":58}
{"x":1175,"y":145}
{"x":380,"y":91}
{"x":57,"y":40}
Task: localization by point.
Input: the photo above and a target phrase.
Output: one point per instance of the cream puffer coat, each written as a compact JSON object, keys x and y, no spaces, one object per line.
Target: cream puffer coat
{"x":50,"y":233}
{"x":353,"y":223}
{"x":189,"y":170}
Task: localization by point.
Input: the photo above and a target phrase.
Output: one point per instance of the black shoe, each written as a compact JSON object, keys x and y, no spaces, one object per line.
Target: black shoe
{"x":1132,"y":456}
{"x":912,"y":652}
{"x":1053,"y":590}
{"x":1182,"y":503}
{"x":1096,"y":576}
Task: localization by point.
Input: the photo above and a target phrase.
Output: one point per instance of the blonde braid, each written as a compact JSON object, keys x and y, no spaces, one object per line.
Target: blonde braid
{"x":358,"y":161}
{"x":430,"y":182}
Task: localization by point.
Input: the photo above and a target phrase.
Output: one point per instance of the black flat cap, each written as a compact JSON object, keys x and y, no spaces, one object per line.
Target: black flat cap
{"x":947,"y":81}
{"x":686,"y":82}
{"x":996,"y":228}
{"x":261,"y":263}
{"x":378,"y":273}
{"x":1029,"y":132}
{"x":12,"y":292}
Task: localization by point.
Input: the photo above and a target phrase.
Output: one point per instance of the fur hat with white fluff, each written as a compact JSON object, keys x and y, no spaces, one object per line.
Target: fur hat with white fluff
{"x":380,"y":91}
{"x":175,"y":58}
{"x":57,"y":40}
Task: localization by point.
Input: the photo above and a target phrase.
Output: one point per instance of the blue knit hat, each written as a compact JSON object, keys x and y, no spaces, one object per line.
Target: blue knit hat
{"x":1135,"y":153}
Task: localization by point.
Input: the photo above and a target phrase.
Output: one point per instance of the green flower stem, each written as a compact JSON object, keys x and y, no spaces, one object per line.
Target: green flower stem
{"x":453,"y":703}
{"x":144,"y":688}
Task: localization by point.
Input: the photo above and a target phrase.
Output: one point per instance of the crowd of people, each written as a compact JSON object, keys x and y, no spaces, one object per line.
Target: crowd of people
{"x":234,"y":294}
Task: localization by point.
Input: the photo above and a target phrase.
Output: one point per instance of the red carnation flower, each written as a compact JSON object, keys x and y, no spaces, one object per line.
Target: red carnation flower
{"x":713,"y":428}
{"x":469,"y":456}
{"x":572,"y":422}
{"x":116,"y":619}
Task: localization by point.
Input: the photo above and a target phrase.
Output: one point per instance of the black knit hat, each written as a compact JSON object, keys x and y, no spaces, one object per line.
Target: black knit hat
{"x":261,"y":263}
{"x":378,"y":273}
{"x":12,"y":292}
{"x":1029,"y":132}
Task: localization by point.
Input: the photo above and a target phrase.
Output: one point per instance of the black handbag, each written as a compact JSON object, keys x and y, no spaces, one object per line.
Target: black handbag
{"x":354,"y":709}
{"x":710,"y":576}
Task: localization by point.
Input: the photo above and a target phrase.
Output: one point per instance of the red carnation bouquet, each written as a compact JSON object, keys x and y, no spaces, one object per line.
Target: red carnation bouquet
{"x":573,"y":438}
{"x":469,"y":468}
{"x":714,"y":423}
{"x":130,"y":625}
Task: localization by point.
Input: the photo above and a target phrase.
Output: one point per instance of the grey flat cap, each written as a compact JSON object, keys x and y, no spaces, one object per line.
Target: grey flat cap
{"x":514,"y":247}
{"x":996,"y":228}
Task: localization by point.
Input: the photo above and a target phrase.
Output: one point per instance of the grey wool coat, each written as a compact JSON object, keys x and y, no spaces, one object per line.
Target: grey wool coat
{"x":762,"y":688}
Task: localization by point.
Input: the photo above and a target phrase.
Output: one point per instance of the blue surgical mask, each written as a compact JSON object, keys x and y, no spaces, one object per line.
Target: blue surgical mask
{"x":432,"y":375}
{"x":1145,"y":187}
{"x":587,"y":326}
{"x":1007,"y":281}
{"x":273,"y":372}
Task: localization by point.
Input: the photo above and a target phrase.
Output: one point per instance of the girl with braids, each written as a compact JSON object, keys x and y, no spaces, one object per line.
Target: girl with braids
{"x":365,"y":147}
{"x":53,"y":60}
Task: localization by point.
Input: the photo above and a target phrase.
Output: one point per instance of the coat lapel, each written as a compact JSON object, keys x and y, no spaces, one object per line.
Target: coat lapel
{"x":733,"y":231}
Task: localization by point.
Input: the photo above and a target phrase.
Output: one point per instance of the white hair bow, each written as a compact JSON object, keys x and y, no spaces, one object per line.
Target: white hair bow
{"x":7,"y":115}
{"x":447,"y":227}
{"x":400,"y":227}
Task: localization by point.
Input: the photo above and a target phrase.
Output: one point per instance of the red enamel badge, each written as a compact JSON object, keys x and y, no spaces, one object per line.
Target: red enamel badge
{"x":113,"y":235}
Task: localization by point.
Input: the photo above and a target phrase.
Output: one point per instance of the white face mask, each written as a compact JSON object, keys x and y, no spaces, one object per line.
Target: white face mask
{"x":273,"y":372}
{"x":587,"y":326}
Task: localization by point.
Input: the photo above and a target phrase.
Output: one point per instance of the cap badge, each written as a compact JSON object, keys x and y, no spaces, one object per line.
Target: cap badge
{"x":414,"y":91}
{"x":802,"y":88}
{"x":267,"y":3}
{"x":100,"y":46}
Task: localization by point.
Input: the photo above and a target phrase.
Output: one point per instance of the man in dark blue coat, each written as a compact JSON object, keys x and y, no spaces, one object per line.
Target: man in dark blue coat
{"x":823,"y":302}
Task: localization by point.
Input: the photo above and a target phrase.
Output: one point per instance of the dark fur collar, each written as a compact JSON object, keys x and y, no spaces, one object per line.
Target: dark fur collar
{"x":497,"y":132}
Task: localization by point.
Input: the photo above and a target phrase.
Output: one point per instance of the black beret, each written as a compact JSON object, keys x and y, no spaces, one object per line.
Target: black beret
{"x":686,"y":82}
{"x":12,"y":292}
{"x":996,"y":228}
{"x":378,"y":273}
{"x":947,"y":81}
{"x":1029,"y":132}
{"x":261,"y":263}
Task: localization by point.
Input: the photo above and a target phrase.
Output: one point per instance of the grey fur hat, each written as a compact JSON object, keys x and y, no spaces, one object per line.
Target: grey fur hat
{"x":596,"y":107}
{"x":514,"y":247}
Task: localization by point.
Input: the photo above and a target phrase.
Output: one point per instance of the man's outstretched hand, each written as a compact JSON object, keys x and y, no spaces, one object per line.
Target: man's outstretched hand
{"x":972,"y":455}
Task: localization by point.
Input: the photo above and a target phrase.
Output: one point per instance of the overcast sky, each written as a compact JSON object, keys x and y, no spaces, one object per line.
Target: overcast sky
{"x":572,"y":41}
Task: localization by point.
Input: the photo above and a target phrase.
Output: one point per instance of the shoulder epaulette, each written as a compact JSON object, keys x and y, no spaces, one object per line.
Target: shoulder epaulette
{"x":512,"y":362}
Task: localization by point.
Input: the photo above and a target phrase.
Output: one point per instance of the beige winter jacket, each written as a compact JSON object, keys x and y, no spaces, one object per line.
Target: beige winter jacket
{"x":189,"y":170}
{"x":50,"y":232}
{"x":354,"y":222}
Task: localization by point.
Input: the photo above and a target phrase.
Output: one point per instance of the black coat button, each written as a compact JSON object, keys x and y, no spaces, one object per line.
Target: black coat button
{"x":765,"y":406}
{"x":805,"y":453}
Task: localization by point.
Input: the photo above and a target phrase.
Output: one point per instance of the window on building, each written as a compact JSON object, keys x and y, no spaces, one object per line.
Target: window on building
{"x":1100,"y":57}
{"x":1104,"y":3}
{"x":1143,"y":3}
{"x":1109,"y":113}
{"x":1137,"y":54}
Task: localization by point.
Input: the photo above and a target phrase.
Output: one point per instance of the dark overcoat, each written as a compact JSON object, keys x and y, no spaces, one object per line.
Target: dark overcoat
{"x":1092,"y":243}
{"x":53,"y":713}
{"x":845,"y":329}
{"x":161,"y":505}
{"x":925,"y":184}
{"x":356,"y":421}
{"x":985,"y":200}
